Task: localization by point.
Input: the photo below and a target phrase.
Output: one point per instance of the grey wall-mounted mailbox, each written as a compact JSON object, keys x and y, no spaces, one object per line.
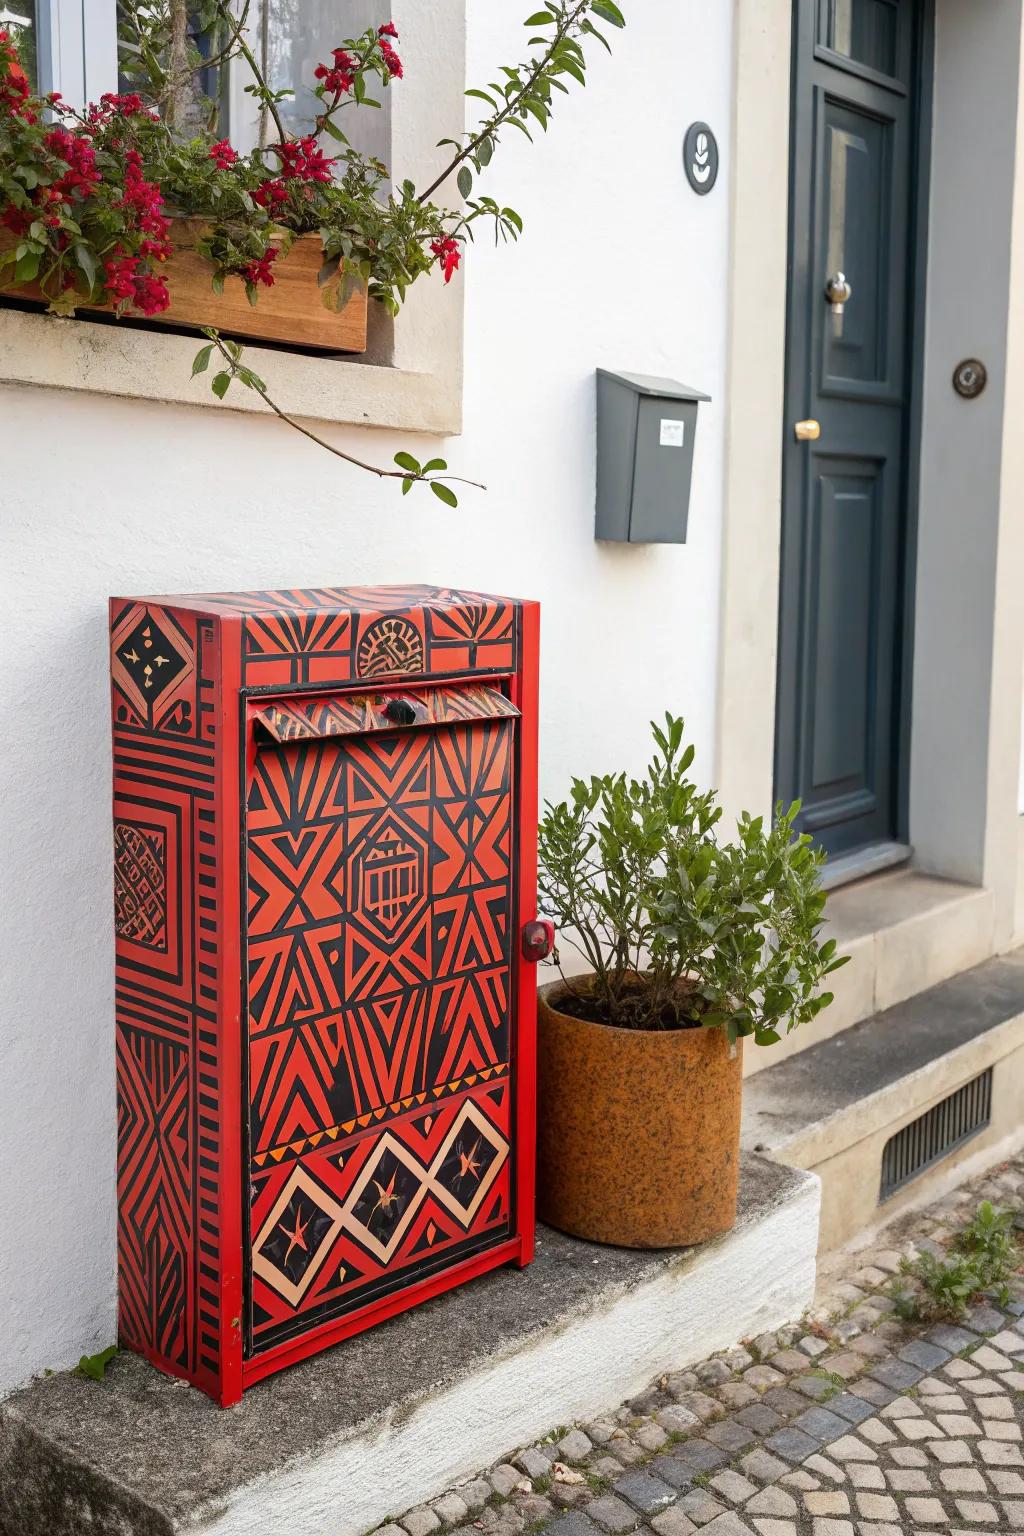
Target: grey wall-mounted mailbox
{"x":645,"y":433}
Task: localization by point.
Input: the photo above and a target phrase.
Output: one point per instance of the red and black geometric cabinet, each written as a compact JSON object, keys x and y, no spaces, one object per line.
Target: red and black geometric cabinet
{"x":325,"y":808}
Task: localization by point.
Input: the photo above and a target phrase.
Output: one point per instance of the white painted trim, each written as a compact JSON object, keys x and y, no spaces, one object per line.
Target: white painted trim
{"x":421,"y":392}
{"x":756,"y":1278}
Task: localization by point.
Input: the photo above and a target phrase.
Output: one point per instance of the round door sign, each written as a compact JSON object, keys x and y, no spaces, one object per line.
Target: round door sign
{"x":700,"y":157}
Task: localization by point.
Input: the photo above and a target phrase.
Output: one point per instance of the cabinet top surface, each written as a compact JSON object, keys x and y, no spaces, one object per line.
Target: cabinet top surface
{"x":319,"y":600}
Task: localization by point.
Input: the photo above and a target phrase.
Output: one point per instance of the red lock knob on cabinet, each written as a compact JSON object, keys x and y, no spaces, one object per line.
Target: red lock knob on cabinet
{"x":538,"y":939}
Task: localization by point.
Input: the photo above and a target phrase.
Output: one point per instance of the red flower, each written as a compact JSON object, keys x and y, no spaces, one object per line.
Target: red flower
{"x":271,"y":194}
{"x":16,"y":220}
{"x":337,"y":77}
{"x":303,"y":160}
{"x":258,"y":271}
{"x":449,"y":254}
{"x":388,"y":30}
{"x":222,"y":154}
{"x":123,"y":280}
{"x":392,"y":63}
{"x":76,"y":150}
{"x":14,"y":90}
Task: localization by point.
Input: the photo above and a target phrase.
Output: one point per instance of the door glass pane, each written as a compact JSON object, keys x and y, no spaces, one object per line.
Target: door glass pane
{"x":18,"y":17}
{"x":865,"y":30}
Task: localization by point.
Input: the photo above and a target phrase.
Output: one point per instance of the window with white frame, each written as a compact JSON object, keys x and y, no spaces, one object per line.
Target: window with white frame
{"x":83,"y":48}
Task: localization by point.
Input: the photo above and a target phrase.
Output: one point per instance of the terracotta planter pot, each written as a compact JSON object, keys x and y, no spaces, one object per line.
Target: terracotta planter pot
{"x":638,"y":1130}
{"x":291,"y":311}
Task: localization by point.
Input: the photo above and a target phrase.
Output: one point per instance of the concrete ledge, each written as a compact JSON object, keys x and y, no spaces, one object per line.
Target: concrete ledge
{"x":832,"y":1108}
{"x":333,"y":1446}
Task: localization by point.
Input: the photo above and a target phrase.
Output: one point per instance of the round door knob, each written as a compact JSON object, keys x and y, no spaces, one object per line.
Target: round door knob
{"x":400,"y":712}
{"x":838,"y":292}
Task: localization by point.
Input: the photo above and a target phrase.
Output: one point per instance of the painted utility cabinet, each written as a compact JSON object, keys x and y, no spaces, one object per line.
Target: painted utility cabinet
{"x":325,"y":808}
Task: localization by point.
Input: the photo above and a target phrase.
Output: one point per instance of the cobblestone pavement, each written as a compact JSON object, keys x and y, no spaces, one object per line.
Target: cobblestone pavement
{"x":849,"y":1423}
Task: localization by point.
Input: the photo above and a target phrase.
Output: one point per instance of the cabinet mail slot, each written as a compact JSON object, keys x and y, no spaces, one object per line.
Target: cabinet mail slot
{"x":357,"y":714}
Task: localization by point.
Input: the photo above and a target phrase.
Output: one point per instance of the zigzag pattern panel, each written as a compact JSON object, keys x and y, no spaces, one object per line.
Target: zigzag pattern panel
{"x":380,"y":915}
{"x":371,"y":1213}
{"x":163,"y":670}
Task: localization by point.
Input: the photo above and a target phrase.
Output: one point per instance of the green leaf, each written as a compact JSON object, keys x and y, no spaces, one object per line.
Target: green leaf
{"x":220,"y":384}
{"x":483,"y":96}
{"x":464,"y":180}
{"x":202,"y":360}
{"x":87,"y":261}
{"x":608,"y":11}
{"x":406,"y":487}
{"x":406,"y":461}
{"x":539,"y":19}
{"x":434,"y":464}
{"x":328,"y":270}
{"x":444,"y":493}
{"x":95,"y":1366}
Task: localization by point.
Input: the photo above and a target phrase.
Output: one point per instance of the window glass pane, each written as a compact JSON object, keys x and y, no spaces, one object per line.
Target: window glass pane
{"x":192,"y":103}
{"x":290,"y":38}
{"x":865,"y":30}
{"x":19,"y":18}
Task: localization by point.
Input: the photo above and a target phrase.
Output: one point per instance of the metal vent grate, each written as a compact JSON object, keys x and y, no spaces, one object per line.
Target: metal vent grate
{"x":936,"y":1133}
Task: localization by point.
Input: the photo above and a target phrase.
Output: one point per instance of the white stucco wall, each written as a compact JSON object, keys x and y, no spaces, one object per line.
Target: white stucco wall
{"x":621,"y":266}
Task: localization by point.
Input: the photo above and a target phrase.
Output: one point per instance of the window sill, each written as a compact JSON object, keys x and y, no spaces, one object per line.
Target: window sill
{"x":57,"y":353}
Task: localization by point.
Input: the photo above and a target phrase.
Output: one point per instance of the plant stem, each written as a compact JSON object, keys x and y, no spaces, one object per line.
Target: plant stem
{"x":562,"y":31}
{"x":339,"y":453}
{"x":267,"y":104}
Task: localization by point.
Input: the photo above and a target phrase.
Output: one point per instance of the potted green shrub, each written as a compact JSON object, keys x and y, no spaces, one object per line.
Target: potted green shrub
{"x":691,"y":945}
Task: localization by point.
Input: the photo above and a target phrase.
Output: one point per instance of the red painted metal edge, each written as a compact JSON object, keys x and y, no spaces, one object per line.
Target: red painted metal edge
{"x":229,"y":877}
{"x":321,"y":1338}
{"x":525,"y":695}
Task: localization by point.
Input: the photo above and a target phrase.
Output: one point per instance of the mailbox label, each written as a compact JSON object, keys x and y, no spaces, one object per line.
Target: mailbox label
{"x":672,"y":433}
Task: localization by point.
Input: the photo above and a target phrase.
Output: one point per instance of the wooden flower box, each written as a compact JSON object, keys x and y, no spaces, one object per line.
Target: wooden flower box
{"x":292,"y":311}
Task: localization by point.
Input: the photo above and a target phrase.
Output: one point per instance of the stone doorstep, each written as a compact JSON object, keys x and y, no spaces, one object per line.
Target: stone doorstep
{"x":333,"y":1446}
{"x":904,"y":932}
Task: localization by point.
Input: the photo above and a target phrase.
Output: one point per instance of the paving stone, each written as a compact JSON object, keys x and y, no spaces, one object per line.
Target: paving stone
{"x":990,"y":1359}
{"x":784,"y":1400}
{"x":534,"y":1462}
{"x":678,"y":1382}
{"x":903,"y":1408}
{"x":600,"y":1430}
{"x":572,"y":1523}
{"x":985,"y":1320}
{"x":737,"y":1394}
{"x":977,"y":1512}
{"x":533,"y":1507}
{"x":764,"y":1468}
{"x":960,"y":1370}
{"x":832,"y":1527}
{"x":608,"y":1467}
{"x":505,"y":1478}
{"x":389,"y":1530}
{"x":772,"y":1501}
{"x":864,"y":1474}
{"x":673,"y":1470}
{"x":849,"y":1448}
{"x":871,"y":1347}
{"x":1013,"y":1511}
{"x":877,"y":1506}
{"x":450,"y":1509}
{"x":700,"y":1506}
{"x":575,"y":1446}
{"x":887,"y":1259}
{"x":995,"y":1408}
{"x":1006,"y":1482}
{"x":475,"y":1493}
{"x":918,"y":1429}
{"x":907,"y":1480}
{"x":812,"y":1345}
{"x":737,"y":1359}
{"x":791,"y":1444}
{"x":957,"y":1424}
{"x":704,"y":1407}
{"x":677,"y":1420}
{"x":831,"y":1501}
{"x":948,"y":1337}
{"x":789,"y":1361}
{"x":962,"y":1480}
{"x":907,"y":1456}
{"x":994,"y":1453}
{"x":919,"y":1352}
{"x":649,"y":1494}
{"x":899,"y":1374}
{"x":650,"y":1436}
{"x":733,"y":1486}
{"x":876,"y":1433}
{"x":822,"y":1424}
{"x":775,"y":1527}
{"x":926,"y":1511}
{"x":1009,"y":1341}
{"x":701,"y":1455}
{"x":873,"y":1392}
{"x":813,"y":1386}
{"x":765,"y":1344}
{"x":760,"y":1418}
{"x":711,"y":1373}
{"x":613,"y":1514}
{"x":876,"y":1528}
{"x":672,"y":1522}
{"x":995,"y":1429}
{"x":822,"y":1467}
{"x":950,"y":1452}
{"x":850,"y":1407}
{"x":728,"y":1524}
{"x":420,"y":1522}
{"x":762,"y":1377}
{"x":730,"y":1436}
{"x":801,"y":1479}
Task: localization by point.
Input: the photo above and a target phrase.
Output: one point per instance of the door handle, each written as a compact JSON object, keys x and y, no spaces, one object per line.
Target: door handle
{"x":838,"y":292}
{"x":807,"y":431}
